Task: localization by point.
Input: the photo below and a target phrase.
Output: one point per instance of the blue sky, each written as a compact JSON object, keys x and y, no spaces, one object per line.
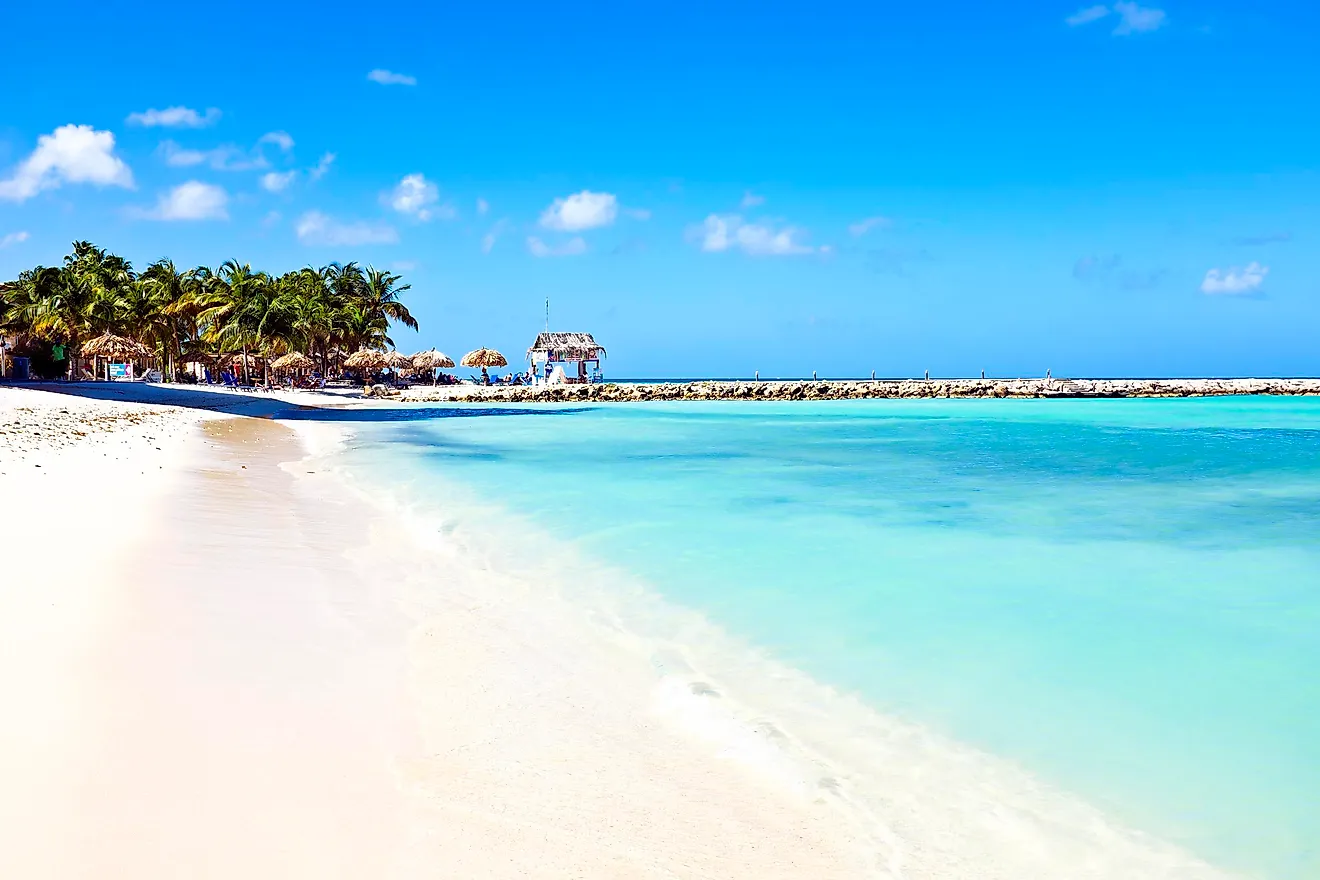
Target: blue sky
{"x":712,"y":189}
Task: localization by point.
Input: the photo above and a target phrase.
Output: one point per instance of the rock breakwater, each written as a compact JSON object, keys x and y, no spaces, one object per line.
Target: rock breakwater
{"x":860,"y":390}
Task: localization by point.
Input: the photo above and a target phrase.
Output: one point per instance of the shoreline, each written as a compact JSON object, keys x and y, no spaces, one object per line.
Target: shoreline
{"x":918,"y":803}
{"x":256,"y":674}
{"x":879,"y":389}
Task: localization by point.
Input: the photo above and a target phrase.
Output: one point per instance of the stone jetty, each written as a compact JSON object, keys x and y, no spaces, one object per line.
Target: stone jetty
{"x":859,"y":390}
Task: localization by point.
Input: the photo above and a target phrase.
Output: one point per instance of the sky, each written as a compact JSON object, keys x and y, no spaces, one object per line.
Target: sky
{"x":712,"y":189}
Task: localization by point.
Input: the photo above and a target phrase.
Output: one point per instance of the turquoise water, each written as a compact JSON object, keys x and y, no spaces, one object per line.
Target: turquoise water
{"x":1121,"y":596}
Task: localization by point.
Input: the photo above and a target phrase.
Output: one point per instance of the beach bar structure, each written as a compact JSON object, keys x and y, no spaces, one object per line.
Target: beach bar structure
{"x":578,"y":350}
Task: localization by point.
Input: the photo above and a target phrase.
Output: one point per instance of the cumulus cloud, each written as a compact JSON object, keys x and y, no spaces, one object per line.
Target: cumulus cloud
{"x":1132,"y":18}
{"x":722,"y":232}
{"x":1136,"y":19}
{"x":315,"y":228}
{"x":482,"y":207}
{"x":321,"y":167}
{"x":225,"y":157}
{"x":390,"y":78}
{"x":13,"y":238}
{"x":571,"y":248}
{"x":1087,"y":15}
{"x":281,"y":139}
{"x":277,"y":181}
{"x":861,"y":227}
{"x":1235,"y":281}
{"x":751,"y":200}
{"x":417,"y":197}
{"x":584,"y":210}
{"x":193,"y":200}
{"x":175,"y":117}
{"x":70,"y":154}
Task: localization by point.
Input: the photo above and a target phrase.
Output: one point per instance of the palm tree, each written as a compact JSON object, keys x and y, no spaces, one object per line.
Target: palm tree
{"x":340,"y":306}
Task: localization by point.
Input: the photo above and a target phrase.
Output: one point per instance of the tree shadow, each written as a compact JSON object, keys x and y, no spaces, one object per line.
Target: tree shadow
{"x":255,"y":404}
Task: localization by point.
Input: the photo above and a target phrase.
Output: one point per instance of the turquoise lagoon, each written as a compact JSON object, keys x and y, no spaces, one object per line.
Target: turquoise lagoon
{"x":1122,"y":597}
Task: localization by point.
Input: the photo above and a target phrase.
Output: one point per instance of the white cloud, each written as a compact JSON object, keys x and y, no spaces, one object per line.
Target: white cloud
{"x":70,"y":154}
{"x":225,"y":157}
{"x":281,"y":139}
{"x":1137,"y":19}
{"x":315,"y":228}
{"x":13,"y":238}
{"x":722,"y":232}
{"x":1132,"y":19}
{"x":861,"y":227}
{"x":416,"y":196}
{"x":277,"y":181}
{"x":482,"y":207}
{"x":389,"y":78}
{"x":1235,"y":281}
{"x":193,"y":200}
{"x":751,"y":200}
{"x":175,"y":117}
{"x":584,"y":210}
{"x":322,"y":167}
{"x":1087,"y":15}
{"x":571,"y":248}
{"x":488,"y":240}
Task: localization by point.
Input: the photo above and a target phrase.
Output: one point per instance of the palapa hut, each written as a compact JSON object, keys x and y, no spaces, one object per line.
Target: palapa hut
{"x":431,"y":360}
{"x":484,"y":357}
{"x":366,"y":361}
{"x":578,"y":349}
{"x":294,"y":360}
{"x":397,"y":360}
{"x":115,"y":349}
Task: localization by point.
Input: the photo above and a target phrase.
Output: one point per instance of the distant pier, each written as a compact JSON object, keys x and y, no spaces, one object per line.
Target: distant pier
{"x":824,"y":389}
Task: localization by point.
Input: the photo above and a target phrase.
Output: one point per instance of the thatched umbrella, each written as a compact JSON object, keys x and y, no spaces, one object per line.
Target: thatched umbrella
{"x":432,"y":360}
{"x":294,"y":360}
{"x":108,"y":345}
{"x":115,"y":348}
{"x":484,"y":357}
{"x":365,"y":360}
{"x":397,"y":360}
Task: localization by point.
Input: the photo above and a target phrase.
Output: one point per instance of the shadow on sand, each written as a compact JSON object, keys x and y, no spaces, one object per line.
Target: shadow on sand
{"x":263,"y":406}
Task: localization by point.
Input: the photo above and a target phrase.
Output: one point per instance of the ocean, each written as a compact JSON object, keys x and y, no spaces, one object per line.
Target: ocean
{"x":1119,"y":597}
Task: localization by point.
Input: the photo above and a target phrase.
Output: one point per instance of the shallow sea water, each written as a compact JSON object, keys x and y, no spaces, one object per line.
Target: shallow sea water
{"x":1122,"y":597}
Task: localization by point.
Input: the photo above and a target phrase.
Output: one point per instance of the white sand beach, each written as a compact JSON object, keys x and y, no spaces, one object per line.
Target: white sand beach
{"x":220,"y":661}
{"x":208,"y":672}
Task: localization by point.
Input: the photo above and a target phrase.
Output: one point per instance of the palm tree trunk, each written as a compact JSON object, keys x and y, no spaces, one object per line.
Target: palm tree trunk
{"x":247,"y":379}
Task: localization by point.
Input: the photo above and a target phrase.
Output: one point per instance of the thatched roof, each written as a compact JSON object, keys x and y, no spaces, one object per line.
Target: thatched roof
{"x":365,"y":359}
{"x":108,"y":345}
{"x":484,"y":357}
{"x":294,"y":360}
{"x":396,"y":360}
{"x":567,"y":346}
{"x":432,"y":360}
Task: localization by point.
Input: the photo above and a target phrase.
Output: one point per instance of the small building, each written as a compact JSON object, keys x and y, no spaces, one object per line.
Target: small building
{"x":579,"y":351}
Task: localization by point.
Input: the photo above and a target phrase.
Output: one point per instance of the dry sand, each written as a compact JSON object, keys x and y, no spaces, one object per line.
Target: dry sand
{"x":213,"y":669}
